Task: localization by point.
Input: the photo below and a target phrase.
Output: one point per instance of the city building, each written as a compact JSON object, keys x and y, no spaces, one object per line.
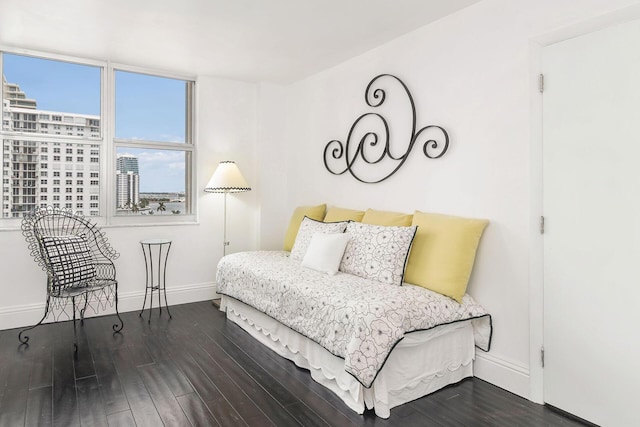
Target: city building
{"x":16,"y":98}
{"x":127,"y":181}
{"x":46,"y":172}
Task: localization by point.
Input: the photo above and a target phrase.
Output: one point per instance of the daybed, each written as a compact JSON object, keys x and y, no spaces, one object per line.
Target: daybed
{"x":374,"y":340}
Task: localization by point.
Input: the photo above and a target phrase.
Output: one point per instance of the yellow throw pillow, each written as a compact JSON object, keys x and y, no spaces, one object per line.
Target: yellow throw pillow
{"x":335,"y":214}
{"x":397,"y":219}
{"x":443,"y":253}
{"x":313,"y":212}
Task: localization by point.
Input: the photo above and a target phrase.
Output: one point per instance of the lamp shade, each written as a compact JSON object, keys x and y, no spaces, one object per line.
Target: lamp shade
{"x":227,"y":178}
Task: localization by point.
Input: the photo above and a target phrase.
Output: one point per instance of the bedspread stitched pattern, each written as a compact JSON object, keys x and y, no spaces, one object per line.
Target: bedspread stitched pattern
{"x":357,"y":319}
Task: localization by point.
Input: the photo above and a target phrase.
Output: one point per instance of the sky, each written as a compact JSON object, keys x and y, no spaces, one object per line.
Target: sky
{"x":147,"y":108}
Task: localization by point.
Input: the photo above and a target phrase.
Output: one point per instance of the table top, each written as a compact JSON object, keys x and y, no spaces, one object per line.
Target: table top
{"x":155,"y":241}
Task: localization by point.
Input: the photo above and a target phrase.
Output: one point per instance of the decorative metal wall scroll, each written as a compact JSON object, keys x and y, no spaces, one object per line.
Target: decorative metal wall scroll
{"x":368,"y":149}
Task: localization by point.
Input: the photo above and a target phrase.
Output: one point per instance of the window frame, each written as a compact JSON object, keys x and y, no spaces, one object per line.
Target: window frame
{"x":109,"y":144}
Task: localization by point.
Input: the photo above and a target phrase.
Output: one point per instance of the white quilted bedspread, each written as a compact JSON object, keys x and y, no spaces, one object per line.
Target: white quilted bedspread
{"x":356,"y":319}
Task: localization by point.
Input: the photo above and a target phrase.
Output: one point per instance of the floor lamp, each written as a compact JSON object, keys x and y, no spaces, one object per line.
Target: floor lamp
{"x":227,"y":178}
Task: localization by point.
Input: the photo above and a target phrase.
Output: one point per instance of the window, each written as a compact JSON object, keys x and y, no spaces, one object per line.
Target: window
{"x":150,"y":116}
{"x":153,"y":151}
{"x":45,"y":84}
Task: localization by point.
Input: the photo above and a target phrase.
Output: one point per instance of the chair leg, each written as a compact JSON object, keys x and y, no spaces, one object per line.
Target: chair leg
{"x":25,"y":339}
{"x":117,"y":328}
{"x":86,"y":302}
{"x":75,"y":332}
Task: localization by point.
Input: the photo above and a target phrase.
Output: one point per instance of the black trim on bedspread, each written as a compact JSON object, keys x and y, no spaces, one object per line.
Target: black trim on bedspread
{"x":392,"y":347}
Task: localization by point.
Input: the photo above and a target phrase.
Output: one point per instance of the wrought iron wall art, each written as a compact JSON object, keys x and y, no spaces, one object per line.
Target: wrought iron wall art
{"x":374,"y":147}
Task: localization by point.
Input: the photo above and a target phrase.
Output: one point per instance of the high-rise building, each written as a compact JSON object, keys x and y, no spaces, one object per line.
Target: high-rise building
{"x":16,"y":97}
{"x":41,"y":172}
{"x":127,"y":181}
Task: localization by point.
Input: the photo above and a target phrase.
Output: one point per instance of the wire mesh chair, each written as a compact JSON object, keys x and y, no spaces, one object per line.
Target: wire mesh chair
{"x":77,"y":258}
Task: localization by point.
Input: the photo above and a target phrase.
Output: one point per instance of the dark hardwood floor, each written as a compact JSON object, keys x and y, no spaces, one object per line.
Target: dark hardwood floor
{"x":199,"y":369}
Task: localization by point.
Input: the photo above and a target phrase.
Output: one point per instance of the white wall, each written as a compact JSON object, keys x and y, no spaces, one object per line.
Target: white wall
{"x":469,"y":73}
{"x":226,"y":129}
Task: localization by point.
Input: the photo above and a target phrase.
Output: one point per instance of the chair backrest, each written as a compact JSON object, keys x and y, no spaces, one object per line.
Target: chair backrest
{"x":66,"y":245}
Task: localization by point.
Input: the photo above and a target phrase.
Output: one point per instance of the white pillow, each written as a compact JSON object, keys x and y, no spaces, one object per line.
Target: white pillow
{"x":309,"y":227}
{"x":325,"y":252}
{"x":377,"y":252}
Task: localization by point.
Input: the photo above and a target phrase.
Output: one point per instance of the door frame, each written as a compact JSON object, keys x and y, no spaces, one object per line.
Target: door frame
{"x":536,"y":187}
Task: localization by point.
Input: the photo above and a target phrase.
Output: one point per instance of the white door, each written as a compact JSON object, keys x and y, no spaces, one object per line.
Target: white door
{"x":591,"y":133}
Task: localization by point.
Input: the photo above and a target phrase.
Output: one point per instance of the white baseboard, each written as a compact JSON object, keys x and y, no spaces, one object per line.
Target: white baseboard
{"x":504,"y":374}
{"x":29,"y":314}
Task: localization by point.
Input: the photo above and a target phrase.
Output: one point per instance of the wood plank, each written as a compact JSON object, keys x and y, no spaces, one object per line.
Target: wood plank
{"x":65,"y":402}
{"x":225,"y":413}
{"x":302,"y":391}
{"x":90,"y":403}
{"x":82,"y":360}
{"x":41,"y":374}
{"x":121,"y":419}
{"x":259,"y":396}
{"x":197,"y":411}
{"x":39,"y":407}
{"x":114,"y":399}
{"x":14,"y":408}
{"x":166,"y":404}
{"x":142,"y":407}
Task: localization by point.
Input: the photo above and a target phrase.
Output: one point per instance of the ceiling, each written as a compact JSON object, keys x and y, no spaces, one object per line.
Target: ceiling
{"x":278,"y":41}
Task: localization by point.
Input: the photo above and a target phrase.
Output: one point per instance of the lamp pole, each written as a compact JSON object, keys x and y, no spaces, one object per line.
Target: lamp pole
{"x":225,"y":243}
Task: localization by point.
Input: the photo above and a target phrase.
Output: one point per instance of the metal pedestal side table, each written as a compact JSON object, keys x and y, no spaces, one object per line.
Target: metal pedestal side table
{"x":156,"y":252}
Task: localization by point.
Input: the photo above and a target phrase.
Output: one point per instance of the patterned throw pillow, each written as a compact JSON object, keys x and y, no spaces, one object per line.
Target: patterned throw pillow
{"x":307,"y":229}
{"x":377,"y":252}
{"x":70,"y":259}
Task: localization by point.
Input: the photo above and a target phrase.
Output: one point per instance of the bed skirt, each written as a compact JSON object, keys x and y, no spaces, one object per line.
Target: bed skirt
{"x":421,"y":363}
